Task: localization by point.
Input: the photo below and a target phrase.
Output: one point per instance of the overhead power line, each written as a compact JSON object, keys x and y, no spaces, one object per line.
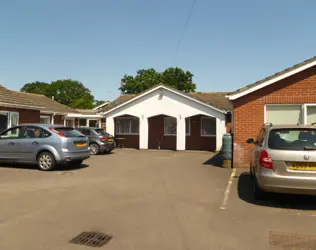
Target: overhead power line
{"x":185,"y":26}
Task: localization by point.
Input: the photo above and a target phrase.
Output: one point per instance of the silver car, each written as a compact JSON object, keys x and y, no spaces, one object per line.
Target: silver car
{"x":46,"y":145}
{"x":284,"y":160}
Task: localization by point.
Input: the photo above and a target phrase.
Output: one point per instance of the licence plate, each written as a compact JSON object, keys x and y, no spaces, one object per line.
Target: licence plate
{"x":81,"y":144}
{"x":110,"y":140}
{"x":305,"y":166}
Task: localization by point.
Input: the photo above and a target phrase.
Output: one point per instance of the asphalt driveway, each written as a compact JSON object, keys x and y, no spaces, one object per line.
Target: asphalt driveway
{"x":146,"y":200}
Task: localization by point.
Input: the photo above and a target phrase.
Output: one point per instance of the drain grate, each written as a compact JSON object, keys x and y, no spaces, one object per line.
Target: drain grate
{"x":282,"y":240}
{"x":92,"y":239}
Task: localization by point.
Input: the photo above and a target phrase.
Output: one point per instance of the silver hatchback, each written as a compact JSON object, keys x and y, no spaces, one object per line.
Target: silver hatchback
{"x":284,"y":160}
{"x":46,"y":145}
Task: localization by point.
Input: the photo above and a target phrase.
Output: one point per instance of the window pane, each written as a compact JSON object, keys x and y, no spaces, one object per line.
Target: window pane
{"x":14,"y":117}
{"x":3,"y":121}
{"x":284,"y":114}
{"x":12,"y":133}
{"x":123,"y":126}
{"x":135,"y":126}
{"x":292,"y":139}
{"x":69,"y":123}
{"x":311,"y":114}
{"x":44,"y":120}
{"x":187,"y":126}
{"x":69,"y":132}
{"x":208,"y":126}
{"x":93,"y":123}
{"x":170,"y":126}
{"x":32,"y":132}
{"x":82,"y":122}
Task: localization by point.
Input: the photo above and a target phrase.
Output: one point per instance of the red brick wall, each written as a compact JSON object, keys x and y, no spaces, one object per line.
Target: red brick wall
{"x":156,"y":135}
{"x":249,"y":109}
{"x":195,"y":141}
{"x":25,"y":115}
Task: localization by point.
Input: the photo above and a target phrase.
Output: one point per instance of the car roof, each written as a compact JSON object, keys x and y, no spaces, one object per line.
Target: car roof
{"x":288,"y":126}
{"x":42,"y":125}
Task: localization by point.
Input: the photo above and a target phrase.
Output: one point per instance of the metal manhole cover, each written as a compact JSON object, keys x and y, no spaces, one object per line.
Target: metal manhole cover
{"x":92,"y":239}
{"x":282,"y":240}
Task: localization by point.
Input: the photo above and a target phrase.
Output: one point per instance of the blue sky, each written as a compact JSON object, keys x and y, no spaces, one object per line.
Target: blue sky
{"x":227,"y":44}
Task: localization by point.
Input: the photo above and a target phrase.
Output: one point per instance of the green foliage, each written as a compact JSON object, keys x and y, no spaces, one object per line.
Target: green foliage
{"x":146,"y":78}
{"x":97,"y":103}
{"x":40,"y":88}
{"x":68,"y":92}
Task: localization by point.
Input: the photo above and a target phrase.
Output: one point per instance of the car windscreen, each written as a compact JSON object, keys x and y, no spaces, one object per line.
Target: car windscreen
{"x":292,"y":139}
{"x":102,"y":132}
{"x":69,"y":132}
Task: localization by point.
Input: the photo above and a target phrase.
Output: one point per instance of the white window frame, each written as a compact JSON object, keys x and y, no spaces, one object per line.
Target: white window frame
{"x":189,"y":120}
{"x":164,"y":126}
{"x":9,"y":114}
{"x":130,"y":125}
{"x":46,"y":117}
{"x":201,"y":127}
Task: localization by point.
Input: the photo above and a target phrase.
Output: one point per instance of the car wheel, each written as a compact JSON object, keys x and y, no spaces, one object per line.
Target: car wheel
{"x":76,"y":163}
{"x":46,"y":161}
{"x":94,"y":149}
{"x":258,"y":193}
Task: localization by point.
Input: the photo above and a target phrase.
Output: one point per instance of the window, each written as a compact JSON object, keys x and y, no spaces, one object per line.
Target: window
{"x":170,"y":124}
{"x":187,"y":126}
{"x":93,"y":123}
{"x":311,"y":114}
{"x":4,"y":121}
{"x":292,"y":139}
{"x":12,"y":133}
{"x":125,"y":126}
{"x":208,"y":126}
{"x":86,"y":132}
{"x":284,"y":114}
{"x":45,"y":120}
{"x":69,"y":123}
{"x":8,"y":119}
{"x":260,"y":138}
{"x":82,"y":122}
{"x":68,"y":132}
{"x":35,"y":132}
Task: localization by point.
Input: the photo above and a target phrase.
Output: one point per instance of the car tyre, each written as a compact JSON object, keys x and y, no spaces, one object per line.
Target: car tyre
{"x":46,"y":161}
{"x":94,"y":149}
{"x":258,"y":193}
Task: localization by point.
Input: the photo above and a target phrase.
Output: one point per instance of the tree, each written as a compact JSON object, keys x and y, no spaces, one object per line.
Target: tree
{"x":146,"y":78}
{"x":71,"y":93}
{"x":97,"y":103}
{"x":37,"y":87}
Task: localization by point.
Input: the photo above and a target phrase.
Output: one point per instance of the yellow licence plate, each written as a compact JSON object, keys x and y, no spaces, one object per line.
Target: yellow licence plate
{"x":81,"y":144}
{"x":110,"y":139}
{"x":307,"y":166}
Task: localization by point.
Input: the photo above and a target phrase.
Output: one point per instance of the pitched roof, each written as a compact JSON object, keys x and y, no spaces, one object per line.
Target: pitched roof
{"x":16,"y":98}
{"x":215,"y":99}
{"x":47,"y":103}
{"x":274,"y":78}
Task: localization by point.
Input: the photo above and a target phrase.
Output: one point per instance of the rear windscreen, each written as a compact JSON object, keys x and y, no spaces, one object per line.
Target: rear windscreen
{"x":69,"y":132}
{"x":292,"y":139}
{"x":102,"y":132}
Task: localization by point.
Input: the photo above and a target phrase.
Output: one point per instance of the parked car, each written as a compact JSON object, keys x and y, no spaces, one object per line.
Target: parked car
{"x":47,"y":145}
{"x":284,"y":160}
{"x":99,"y":140}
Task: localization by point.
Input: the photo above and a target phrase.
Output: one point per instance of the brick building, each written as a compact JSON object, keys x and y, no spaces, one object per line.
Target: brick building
{"x":287,"y":97}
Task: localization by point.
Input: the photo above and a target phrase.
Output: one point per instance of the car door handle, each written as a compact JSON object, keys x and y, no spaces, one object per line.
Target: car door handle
{"x":34,"y":142}
{"x":11,"y":143}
